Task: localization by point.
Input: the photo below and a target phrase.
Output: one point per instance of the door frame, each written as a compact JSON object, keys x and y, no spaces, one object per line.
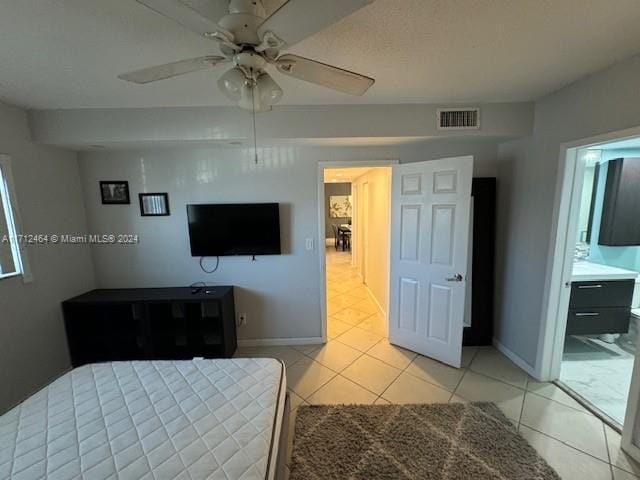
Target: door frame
{"x":562,"y":243}
{"x":322,"y":165}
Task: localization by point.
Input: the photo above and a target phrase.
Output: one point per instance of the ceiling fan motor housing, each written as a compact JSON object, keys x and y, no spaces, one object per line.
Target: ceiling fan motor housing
{"x":243,"y":20}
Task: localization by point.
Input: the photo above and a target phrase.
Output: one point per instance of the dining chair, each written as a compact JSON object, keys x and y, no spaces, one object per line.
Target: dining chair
{"x":336,"y":236}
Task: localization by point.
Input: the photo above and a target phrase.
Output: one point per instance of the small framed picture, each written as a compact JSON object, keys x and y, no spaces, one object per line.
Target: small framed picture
{"x":154,"y":204}
{"x":115,"y":192}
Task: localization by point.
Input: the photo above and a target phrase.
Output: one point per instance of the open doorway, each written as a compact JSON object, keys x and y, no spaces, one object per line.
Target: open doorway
{"x":598,"y":298}
{"x":357,"y":230}
{"x":397,"y":266}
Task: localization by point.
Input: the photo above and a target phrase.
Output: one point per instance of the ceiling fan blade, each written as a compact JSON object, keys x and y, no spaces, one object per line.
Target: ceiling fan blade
{"x":298,"y":19}
{"x":168,"y":70}
{"x":200,"y":16}
{"x":324,"y":75}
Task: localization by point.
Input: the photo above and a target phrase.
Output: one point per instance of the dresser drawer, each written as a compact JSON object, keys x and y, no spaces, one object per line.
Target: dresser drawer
{"x":618,"y":293}
{"x":596,"y":321}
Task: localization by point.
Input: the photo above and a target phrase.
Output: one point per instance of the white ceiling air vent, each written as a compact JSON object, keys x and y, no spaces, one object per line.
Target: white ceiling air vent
{"x":458,"y":118}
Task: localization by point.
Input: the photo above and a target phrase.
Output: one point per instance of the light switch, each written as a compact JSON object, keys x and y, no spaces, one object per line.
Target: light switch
{"x":309,"y":243}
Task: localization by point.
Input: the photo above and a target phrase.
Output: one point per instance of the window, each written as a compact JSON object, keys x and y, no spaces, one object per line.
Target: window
{"x":11,"y":256}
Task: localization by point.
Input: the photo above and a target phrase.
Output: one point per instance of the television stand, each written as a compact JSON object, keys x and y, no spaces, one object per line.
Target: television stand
{"x":175,"y":323}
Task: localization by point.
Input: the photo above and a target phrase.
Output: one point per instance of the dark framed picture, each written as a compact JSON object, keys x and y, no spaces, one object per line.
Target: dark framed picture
{"x":115,"y":192}
{"x":154,"y":204}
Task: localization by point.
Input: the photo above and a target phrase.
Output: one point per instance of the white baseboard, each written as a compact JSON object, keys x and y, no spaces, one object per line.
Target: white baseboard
{"x":375,"y":300}
{"x":279,"y":342}
{"x":515,"y":358}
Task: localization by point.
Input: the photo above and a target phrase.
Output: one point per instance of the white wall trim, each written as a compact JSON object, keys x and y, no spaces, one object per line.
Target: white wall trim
{"x":279,"y":342}
{"x":555,"y":297}
{"x":514,"y":358}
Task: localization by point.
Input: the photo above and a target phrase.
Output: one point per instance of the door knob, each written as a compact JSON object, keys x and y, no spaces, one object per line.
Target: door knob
{"x":456,"y":278}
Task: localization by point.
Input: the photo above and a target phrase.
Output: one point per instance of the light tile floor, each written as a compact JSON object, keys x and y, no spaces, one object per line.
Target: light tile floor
{"x":358,"y":365}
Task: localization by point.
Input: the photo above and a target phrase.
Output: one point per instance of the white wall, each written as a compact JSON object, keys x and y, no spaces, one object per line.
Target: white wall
{"x":279,"y":294}
{"x":33,"y":347}
{"x":527,"y":175}
{"x":378,"y":231}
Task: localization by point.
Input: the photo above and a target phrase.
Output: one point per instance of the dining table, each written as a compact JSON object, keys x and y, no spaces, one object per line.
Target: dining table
{"x":344,"y":231}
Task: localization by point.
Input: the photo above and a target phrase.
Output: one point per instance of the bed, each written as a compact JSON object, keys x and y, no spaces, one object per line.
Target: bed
{"x":193,"y":419}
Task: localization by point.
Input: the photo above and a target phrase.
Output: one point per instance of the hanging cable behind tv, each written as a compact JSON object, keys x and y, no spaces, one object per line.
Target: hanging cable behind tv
{"x":214,"y":268}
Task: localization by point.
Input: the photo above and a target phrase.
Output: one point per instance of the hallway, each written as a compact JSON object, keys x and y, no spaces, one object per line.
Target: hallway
{"x":351,"y":309}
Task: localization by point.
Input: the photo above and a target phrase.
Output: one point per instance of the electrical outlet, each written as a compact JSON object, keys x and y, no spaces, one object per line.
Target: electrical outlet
{"x":243,"y":318}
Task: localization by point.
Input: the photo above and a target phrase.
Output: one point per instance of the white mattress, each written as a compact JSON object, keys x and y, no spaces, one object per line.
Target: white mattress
{"x":200,"y":419}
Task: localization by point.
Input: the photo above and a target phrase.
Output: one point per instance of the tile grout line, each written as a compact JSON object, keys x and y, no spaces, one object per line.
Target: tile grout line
{"x":567,"y":445}
{"x":606,"y":444}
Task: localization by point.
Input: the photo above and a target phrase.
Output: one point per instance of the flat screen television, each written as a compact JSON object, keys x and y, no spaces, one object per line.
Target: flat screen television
{"x":234,"y":229}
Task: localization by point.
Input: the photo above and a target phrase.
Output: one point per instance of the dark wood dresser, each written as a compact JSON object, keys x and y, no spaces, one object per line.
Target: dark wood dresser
{"x":150,"y":324}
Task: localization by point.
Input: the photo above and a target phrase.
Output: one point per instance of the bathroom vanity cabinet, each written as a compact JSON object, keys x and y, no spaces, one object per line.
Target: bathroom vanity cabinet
{"x":621,"y":206}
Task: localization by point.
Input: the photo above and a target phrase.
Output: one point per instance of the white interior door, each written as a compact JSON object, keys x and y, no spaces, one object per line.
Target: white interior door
{"x":430,"y":204}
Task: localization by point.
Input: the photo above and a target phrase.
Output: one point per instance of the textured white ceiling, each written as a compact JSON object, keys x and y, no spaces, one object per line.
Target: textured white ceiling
{"x":67,"y":53}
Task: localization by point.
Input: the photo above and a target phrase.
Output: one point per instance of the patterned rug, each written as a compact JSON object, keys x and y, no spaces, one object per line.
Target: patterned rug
{"x":433,"y":441}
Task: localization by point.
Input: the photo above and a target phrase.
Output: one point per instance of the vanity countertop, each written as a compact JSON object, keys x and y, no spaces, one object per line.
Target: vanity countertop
{"x":584,"y":271}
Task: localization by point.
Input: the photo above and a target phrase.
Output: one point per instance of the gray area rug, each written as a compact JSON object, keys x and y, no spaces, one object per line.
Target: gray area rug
{"x":433,"y":441}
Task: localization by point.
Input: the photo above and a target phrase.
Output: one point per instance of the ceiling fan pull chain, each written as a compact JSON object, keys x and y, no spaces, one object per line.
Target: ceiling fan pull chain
{"x":253,"y":117}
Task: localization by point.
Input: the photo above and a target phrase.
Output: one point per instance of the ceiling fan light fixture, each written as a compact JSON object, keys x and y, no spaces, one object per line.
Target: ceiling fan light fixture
{"x":252,"y":101}
{"x":232,"y":84}
{"x":269,"y":91}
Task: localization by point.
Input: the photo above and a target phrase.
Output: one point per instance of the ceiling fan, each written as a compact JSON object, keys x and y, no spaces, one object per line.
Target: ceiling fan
{"x":251,"y":41}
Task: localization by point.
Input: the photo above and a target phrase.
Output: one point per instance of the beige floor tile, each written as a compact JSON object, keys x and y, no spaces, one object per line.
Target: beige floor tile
{"x":351,"y":276}
{"x":287,"y":354}
{"x":350,"y":315}
{"x":618,"y":457}
{"x":307,"y":376}
{"x":371,"y":373}
{"x":331,"y":294}
{"x":336,"y":356}
{"x":295,"y":399}
{"x":619,"y":474}
{"x":341,"y":391}
{"x":488,"y":361}
{"x":336,"y":328}
{"x":359,"y":292}
{"x":570,"y":463}
{"x":366,"y":306}
{"x":342,"y":301}
{"x":350,"y":284}
{"x":579,"y":430}
{"x":457,"y":399}
{"x":394,"y":356}
{"x":359,"y":339}
{"x":409,"y":389}
{"x":467,"y":355}
{"x":381,"y":401}
{"x":334,"y":276}
{"x":435,"y":372}
{"x":375,"y":323}
{"x":478,"y":388}
{"x":307,"y":349}
{"x":333,"y":310}
{"x":553,"y":392}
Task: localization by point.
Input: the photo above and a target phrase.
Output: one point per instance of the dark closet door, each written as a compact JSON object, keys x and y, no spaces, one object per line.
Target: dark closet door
{"x":483,"y":191}
{"x":621,"y":207}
